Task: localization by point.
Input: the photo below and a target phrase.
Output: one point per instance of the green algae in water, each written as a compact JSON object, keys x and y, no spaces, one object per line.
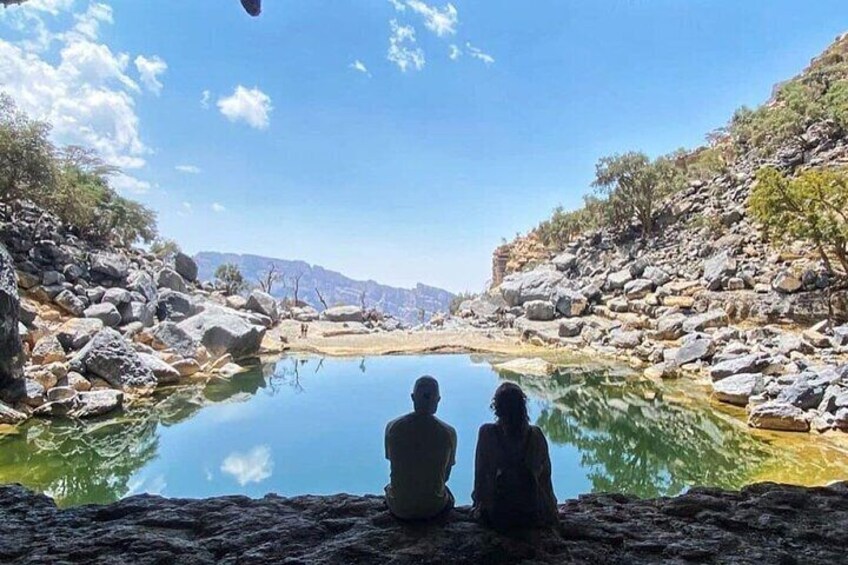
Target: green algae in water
{"x":309,"y":425}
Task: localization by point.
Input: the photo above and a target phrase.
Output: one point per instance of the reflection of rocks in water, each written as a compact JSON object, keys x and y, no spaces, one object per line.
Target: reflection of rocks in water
{"x":636,"y":442}
{"x":79,"y":463}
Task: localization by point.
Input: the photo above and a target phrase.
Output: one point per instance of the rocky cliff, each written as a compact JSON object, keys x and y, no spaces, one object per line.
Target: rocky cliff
{"x":764,"y":523}
{"x":404,"y":304}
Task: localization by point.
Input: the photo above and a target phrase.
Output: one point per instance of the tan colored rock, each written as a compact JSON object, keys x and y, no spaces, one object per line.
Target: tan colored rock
{"x":526,"y":366}
{"x":76,"y":381}
{"x":186,"y":367}
{"x":676,"y":301}
{"x":48,"y":350}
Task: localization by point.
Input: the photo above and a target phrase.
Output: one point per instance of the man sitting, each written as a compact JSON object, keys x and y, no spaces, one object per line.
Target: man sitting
{"x":422,"y":450}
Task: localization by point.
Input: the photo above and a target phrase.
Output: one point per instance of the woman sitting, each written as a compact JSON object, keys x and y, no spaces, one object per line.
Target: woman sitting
{"x":512,"y":475}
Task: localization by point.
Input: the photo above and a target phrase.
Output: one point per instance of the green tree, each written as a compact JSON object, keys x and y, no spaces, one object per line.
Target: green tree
{"x":26,"y":155}
{"x":633,"y":186}
{"x":230,"y":279}
{"x":812,"y":206}
{"x":163,"y":248}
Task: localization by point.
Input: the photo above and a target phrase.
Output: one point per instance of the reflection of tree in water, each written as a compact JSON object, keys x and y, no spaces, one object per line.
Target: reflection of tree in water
{"x":636,"y":442}
{"x":94,"y":461}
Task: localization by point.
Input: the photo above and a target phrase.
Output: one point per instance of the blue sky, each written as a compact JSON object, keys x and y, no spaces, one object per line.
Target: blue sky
{"x":413,"y":166}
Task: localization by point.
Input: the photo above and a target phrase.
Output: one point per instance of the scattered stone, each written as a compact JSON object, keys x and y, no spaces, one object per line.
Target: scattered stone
{"x":186,"y":367}
{"x":165,"y":374}
{"x":719,"y":266}
{"x":570,"y":328}
{"x":142,"y":282}
{"x":77,"y":332}
{"x":564,"y":261}
{"x":185,"y":266}
{"x":638,"y":289}
{"x":47,"y":350}
{"x":170,"y":279}
{"x":106,"y":313}
{"x":10,"y":416}
{"x":571,"y":303}
{"x":754,"y":363}
{"x":786,"y":283}
{"x":171,"y":336}
{"x":701,"y":322}
{"x":685,"y":302}
{"x":656,"y":275}
{"x":540,"y":310}
{"x":737,"y":389}
{"x":780,"y":416}
{"x":75,"y":381}
{"x":670,"y":327}
{"x":70,"y":303}
{"x":617,"y":280}
{"x":538,"y":284}
{"x":816,"y":339}
{"x":111,"y":265}
{"x":806,"y":391}
{"x":265,"y":304}
{"x":33,"y":393}
{"x":694,"y":350}
{"x":98,"y":402}
{"x":116,"y":296}
{"x":626,"y":339}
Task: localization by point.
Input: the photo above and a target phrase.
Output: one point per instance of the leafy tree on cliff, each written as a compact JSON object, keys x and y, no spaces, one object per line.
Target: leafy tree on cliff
{"x":812,"y":207}
{"x":26,"y":154}
{"x":229,"y":278}
{"x":163,"y":248}
{"x":633,"y":186}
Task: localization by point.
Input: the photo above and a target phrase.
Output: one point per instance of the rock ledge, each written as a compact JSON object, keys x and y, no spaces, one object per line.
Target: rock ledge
{"x":763,"y":523}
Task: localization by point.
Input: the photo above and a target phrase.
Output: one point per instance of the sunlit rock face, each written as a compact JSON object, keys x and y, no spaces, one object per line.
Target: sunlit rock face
{"x":11,"y":353}
{"x":764,"y":523}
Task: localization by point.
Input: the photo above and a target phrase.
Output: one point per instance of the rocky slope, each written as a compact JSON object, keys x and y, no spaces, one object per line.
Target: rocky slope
{"x":404,"y":304}
{"x":764,"y":523}
{"x":705,"y":294}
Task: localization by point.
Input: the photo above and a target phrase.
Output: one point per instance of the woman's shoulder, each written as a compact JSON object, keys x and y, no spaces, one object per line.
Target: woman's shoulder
{"x":537,"y":433}
{"x":488,"y":429}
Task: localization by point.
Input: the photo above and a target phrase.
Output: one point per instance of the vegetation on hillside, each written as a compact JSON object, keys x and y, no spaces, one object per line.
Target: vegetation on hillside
{"x":812,"y":207}
{"x":71,"y":182}
{"x":228,"y":277}
{"x":629,"y":186}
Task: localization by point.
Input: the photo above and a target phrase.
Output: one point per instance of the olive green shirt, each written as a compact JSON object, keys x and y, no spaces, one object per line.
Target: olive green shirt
{"x":421,"y":449}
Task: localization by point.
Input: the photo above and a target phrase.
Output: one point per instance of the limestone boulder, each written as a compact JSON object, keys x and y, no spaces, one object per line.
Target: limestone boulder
{"x":106,"y":313}
{"x":185,"y":266}
{"x":110,"y":265}
{"x":265,"y":304}
{"x":222,"y":332}
{"x":109,"y":356}
{"x":738,"y":388}
{"x":781,"y":416}
{"x":77,"y":332}
{"x":343,"y":314}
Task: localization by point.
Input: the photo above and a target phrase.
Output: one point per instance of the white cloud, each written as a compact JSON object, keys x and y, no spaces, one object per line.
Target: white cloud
{"x":128,"y":184}
{"x":253,"y":466}
{"x":218,"y":208}
{"x":360,"y":67}
{"x":455,"y":52}
{"x":402,"y":48}
{"x":205,"y":98}
{"x":188,"y":169}
{"x":398,"y":5}
{"x":149,"y":71}
{"x":440,"y":21}
{"x":251,"y":106}
{"x":82,"y":88}
{"x":478,"y":54}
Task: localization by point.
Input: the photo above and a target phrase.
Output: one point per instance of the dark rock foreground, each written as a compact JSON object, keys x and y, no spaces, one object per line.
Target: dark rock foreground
{"x":764,"y":523}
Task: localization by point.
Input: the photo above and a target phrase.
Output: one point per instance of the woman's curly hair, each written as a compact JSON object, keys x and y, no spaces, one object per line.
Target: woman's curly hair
{"x":510,"y":407}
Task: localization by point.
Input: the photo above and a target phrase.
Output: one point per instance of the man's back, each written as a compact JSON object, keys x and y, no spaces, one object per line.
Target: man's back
{"x":422,"y":450}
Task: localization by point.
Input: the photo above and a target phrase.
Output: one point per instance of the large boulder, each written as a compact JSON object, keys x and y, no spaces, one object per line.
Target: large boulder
{"x":806,"y":391}
{"x":304,"y":314}
{"x":116,"y":296}
{"x":142,"y":282}
{"x":170,"y":279}
{"x":638,"y":288}
{"x":617,"y":279}
{"x":656,"y":275}
{"x":222,"y":332}
{"x":110,"y":265}
{"x":343,"y":314}
{"x":670,"y":327}
{"x":540,"y":310}
{"x":165,"y":374}
{"x":571,"y":303}
{"x":786,"y":283}
{"x":11,"y":348}
{"x":97,"y":402}
{"x":626,"y":339}
{"x":169,"y":335}
{"x":106,"y":313}
{"x":565,"y":261}
{"x":712,"y":319}
{"x":185,"y":266}
{"x":781,"y":416}
{"x":111,"y":358}
{"x":47,"y":350}
{"x":77,"y":332}
{"x":738,"y":388}
{"x":753,"y":363}
{"x":174,"y":306}
{"x":694,"y":350}
{"x":9,"y":415}
{"x":538,"y":284}
{"x":140,"y":312}
{"x":265,"y":304}
{"x":70,"y":303}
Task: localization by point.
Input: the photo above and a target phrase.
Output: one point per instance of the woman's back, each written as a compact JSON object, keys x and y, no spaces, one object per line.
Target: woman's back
{"x":512,"y":482}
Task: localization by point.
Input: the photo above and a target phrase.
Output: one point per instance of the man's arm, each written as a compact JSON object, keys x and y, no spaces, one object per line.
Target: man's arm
{"x":452,"y":456}
{"x":386,"y":441}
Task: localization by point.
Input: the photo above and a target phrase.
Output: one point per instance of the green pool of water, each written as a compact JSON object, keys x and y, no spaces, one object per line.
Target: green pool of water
{"x":310,"y":425}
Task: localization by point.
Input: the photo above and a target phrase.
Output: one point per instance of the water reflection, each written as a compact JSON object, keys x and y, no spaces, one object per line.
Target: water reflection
{"x":632,"y":440}
{"x":253,"y":466}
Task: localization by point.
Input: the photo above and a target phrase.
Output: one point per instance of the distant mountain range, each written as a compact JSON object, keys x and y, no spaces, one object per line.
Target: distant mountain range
{"x":402,"y":303}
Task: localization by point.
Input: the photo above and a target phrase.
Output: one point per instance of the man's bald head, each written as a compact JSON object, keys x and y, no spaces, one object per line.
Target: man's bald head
{"x":425,"y":395}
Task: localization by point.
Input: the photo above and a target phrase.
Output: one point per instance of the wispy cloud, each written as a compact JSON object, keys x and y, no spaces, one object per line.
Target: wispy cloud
{"x":188,"y":169}
{"x":359,"y":66}
{"x":479,"y":54}
{"x":455,"y":52}
{"x":441,"y":21}
{"x":205,"y":98}
{"x":218,"y":208}
{"x":149,"y":71}
{"x":129,"y":184}
{"x":253,"y":466}
{"x":399,"y":6}
{"x":403,"y":51}
{"x":248,"y":105}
